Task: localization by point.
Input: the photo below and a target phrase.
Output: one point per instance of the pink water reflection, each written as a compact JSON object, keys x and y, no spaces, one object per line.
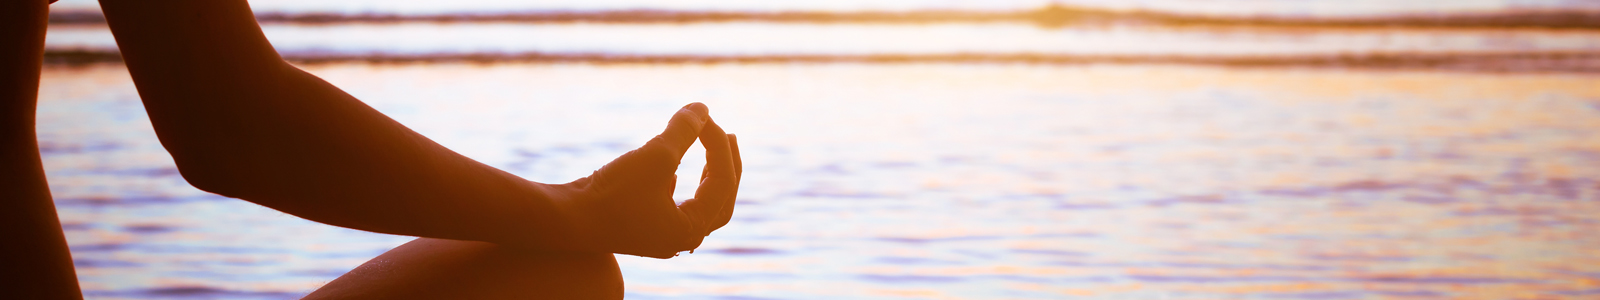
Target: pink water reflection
{"x":939,"y":180}
{"x":725,"y":39}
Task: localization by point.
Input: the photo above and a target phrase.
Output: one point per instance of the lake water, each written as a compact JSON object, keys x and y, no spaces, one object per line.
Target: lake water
{"x":937,"y":181}
{"x":753,"y":38}
{"x":1100,"y":179}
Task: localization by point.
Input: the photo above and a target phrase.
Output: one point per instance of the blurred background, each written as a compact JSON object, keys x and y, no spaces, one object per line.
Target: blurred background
{"x":938,"y":149}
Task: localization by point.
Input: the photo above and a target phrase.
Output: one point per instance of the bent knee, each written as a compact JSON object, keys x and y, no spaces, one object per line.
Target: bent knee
{"x":448,"y":269}
{"x":565,"y":275}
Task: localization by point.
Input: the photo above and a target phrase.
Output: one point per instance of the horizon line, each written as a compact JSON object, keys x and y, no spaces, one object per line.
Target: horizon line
{"x":1047,"y":16}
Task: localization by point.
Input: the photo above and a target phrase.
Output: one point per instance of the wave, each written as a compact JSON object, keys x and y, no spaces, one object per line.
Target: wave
{"x":1576,"y":62}
{"x":1047,"y":16}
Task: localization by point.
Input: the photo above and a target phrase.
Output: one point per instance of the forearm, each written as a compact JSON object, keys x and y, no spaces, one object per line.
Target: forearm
{"x":35,"y":261}
{"x":242,"y":123}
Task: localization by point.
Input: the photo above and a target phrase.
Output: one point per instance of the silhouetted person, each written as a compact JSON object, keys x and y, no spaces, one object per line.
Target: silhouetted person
{"x":34,"y":262}
{"x":241,"y":122}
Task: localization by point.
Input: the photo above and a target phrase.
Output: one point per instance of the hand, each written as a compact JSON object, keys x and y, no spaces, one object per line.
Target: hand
{"x":627,"y":205}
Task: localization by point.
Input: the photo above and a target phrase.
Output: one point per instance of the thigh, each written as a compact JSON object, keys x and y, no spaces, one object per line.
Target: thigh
{"x":448,"y":269}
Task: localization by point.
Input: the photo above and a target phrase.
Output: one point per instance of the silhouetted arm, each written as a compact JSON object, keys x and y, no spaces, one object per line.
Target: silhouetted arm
{"x":241,"y":122}
{"x":34,"y":261}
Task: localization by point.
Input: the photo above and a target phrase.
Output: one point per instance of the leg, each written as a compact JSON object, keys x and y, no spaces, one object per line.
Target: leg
{"x":34,"y":262}
{"x":428,"y":268}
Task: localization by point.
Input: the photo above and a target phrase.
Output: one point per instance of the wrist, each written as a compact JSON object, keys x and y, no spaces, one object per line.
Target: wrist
{"x":571,"y":213}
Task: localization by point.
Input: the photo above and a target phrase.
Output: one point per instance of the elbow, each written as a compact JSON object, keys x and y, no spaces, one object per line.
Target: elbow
{"x":215,"y":163}
{"x":213,"y":176}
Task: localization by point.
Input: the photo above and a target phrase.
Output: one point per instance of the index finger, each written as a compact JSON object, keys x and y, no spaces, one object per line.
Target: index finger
{"x":682,"y":130}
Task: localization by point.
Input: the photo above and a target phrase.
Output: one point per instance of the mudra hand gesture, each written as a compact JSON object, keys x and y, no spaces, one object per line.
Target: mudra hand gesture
{"x":627,"y":205}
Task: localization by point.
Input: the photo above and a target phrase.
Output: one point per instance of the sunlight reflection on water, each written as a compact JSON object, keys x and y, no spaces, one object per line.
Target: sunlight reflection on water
{"x":937,"y":180}
{"x":747,"y":38}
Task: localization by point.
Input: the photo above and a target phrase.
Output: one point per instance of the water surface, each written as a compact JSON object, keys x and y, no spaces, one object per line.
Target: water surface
{"x":936,"y":181}
{"x":754,"y":38}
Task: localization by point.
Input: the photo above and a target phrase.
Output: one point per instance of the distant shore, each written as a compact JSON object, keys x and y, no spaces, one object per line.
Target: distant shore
{"x":1048,"y":16}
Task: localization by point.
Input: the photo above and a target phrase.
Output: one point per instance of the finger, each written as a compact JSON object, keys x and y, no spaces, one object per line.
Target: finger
{"x":675,"y":233}
{"x":692,"y":242}
{"x":738,"y":164}
{"x":738,"y":173}
{"x":712,"y":195}
{"x":722,"y":179}
{"x":653,"y":162}
{"x":681,"y":131}
{"x":720,"y":166}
